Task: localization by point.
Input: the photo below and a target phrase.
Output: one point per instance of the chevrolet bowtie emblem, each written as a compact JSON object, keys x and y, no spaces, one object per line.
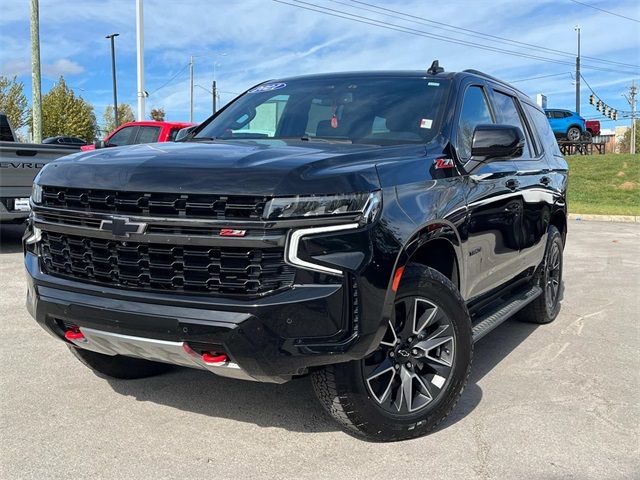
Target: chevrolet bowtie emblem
{"x":122,"y":227}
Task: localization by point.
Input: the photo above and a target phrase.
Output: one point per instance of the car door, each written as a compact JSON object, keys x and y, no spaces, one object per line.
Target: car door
{"x":493,"y":215}
{"x":532,"y":181}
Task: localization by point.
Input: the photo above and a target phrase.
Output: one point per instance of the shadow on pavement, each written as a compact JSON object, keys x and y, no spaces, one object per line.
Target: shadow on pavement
{"x":11,"y":237}
{"x":293,"y":406}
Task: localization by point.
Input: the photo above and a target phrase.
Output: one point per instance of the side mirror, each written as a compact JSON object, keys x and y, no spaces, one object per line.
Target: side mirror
{"x":496,"y":142}
{"x":100,"y":144}
{"x":183,"y":133}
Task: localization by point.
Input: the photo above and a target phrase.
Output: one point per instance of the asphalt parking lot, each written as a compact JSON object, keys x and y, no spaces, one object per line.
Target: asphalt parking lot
{"x":555,"y":401}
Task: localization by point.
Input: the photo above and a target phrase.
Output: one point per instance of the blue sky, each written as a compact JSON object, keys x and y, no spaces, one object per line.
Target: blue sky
{"x":264,"y":39}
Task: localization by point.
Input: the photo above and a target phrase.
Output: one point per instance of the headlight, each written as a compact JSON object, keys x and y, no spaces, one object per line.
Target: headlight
{"x":325,"y":205}
{"x":36,"y":194}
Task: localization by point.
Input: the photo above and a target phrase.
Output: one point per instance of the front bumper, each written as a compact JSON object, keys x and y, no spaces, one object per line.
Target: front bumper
{"x":270,"y":339}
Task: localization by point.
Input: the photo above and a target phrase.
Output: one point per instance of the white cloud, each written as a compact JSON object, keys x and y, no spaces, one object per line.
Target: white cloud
{"x":62,"y":66}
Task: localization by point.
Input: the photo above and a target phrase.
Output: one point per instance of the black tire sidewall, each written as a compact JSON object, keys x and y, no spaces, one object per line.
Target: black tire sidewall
{"x":554,"y":237}
{"x":429,"y":284}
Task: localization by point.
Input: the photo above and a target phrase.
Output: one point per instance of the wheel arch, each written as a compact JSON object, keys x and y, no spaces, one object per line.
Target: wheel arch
{"x":437,"y":245}
{"x":559,"y":220}
{"x":579,"y":127}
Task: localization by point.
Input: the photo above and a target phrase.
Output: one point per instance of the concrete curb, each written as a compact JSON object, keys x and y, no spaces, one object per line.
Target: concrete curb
{"x":604,"y":218}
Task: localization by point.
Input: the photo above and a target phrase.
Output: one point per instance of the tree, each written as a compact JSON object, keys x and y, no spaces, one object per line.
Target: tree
{"x":13,"y":103}
{"x":125,"y":114}
{"x":625,"y":142}
{"x":157,"y":114}
{"x":65,"y":114}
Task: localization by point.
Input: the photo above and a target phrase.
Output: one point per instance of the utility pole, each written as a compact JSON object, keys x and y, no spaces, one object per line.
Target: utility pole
{"x":36,"y":93}
{"x":140,"y":59}
{"x":191,"y":89}
{"x":113,"y":75}
{"x":214,"y":93}
{"x":631,"y":98}
{"x":578,"y":73}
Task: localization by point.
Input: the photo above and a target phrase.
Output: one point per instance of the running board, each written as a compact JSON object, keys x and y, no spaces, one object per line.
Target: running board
{"x":492,"y":319}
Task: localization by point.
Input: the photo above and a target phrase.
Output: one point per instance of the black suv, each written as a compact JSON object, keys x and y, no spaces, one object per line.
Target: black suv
{"x":364,"y":228}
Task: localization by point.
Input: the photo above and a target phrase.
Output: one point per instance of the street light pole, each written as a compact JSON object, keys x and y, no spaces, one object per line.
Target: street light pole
{"x":113,"y":73}
{"x":36,"y":116}
{"x":191,"y":84}
{"x":578,"y":73}
{"x":214,"y":94}
{"x":191,"y":90}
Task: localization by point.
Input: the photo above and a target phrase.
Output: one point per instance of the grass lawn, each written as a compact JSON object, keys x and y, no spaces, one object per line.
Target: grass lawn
{"x":604,"y":184}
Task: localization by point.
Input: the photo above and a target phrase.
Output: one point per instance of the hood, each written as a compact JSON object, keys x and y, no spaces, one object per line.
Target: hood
{"x":231,"y":167}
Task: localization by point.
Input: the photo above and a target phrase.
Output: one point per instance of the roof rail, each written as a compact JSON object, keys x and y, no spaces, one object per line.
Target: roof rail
{"x":490,"y":77}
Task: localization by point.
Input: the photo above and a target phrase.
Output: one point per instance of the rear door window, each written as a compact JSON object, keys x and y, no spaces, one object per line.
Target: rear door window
{"x":508,"y":113}
{"x":148,"y":135}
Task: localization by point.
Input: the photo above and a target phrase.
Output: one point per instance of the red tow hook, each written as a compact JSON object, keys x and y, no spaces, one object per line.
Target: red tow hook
{"x":75,"y":334}
{"x":209,"y":357}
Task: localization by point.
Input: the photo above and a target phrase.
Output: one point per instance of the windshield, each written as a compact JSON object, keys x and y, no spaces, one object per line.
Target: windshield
{"x":383,"y":111}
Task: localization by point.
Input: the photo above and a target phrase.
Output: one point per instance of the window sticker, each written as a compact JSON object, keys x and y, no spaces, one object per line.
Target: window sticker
{"x":426,"y":123}
{"x":269,"y":87}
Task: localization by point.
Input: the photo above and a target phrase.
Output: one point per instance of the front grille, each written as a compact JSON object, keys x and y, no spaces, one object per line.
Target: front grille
{"x":160,"y":267}
{"x":220,"y":207}
{"x":62,"y":217}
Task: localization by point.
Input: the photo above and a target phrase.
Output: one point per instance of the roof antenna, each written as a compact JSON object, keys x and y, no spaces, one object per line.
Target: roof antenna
{"x":435,"y":68}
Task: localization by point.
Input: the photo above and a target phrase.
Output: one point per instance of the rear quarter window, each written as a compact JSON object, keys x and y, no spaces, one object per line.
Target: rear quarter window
{"x":542,"y":129}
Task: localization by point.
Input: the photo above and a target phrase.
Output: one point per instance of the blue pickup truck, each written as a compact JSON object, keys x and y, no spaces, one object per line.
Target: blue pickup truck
{"x":566,"y":124}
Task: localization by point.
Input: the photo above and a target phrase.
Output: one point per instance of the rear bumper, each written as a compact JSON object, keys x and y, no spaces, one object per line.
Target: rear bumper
{"x":8,"y":213}
{"x":269,"y":339}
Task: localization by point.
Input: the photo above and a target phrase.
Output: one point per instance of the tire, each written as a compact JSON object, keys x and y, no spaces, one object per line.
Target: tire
{"x":348,"y":394}
{"x":587,"y":137}
{"x":118,"y":366}
{"x":546,"y":307}
{"x":573,"y":134}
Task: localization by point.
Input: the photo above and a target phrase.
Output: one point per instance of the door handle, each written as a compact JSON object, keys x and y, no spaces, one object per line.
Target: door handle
{"x":545,"y":180}
{"x":512,"y":184}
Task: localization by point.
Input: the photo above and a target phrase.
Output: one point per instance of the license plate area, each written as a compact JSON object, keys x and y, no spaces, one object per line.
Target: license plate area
{"x":21,"y":205}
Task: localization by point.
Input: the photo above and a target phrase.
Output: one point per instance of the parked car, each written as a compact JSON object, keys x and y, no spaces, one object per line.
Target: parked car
{"x":364,"y":228}
{"x":566,"y":124}
{"x":60,"y":140}
{"x":19,"y":164}
{"x":133,"y":133}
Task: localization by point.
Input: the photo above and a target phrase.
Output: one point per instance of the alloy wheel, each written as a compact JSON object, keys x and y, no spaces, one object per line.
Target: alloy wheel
{"x":573,"y":134}
{"x":411,"y":369}
{"x":552,"y":286}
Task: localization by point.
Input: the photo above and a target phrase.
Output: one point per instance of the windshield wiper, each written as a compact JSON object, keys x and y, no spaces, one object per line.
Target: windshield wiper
{"x":326,"y":139}
{"x":204,"y":139}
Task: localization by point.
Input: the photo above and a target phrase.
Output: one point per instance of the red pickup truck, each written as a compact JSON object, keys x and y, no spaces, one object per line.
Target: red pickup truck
{"x":593,"y":127}
{"x":132,"y":133}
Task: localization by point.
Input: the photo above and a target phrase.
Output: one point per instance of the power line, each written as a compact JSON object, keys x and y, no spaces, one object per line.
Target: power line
{"x":170,"y":80}
{"x":541,"y":76}
{"x":475,"y":33}
{"x":605,"y":11}
{"x":598,"y":97}
{"x":390,"y":26}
